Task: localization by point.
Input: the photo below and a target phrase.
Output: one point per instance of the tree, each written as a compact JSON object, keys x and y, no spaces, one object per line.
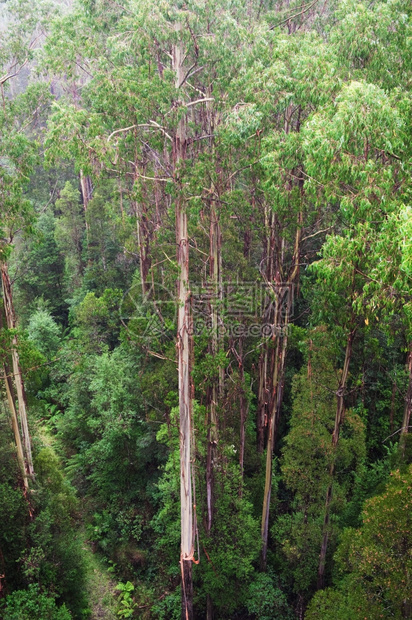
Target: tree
{"x":375,"y":560}
{"x":17,"y":156}
{"x":356,"y":167}
{"x":310,"y":462}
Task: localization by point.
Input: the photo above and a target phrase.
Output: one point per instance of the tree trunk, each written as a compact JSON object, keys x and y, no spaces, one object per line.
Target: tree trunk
{"x":265,"y":371}
{"x":215,"y":388}
{"x":143,"y":240}
{"x":392,"y":411}
{"x":408,"y":405}
{"x":340,"y":407}
{"x":184,"y":346}
{"x":210,"y":457}
{"x":275,"y":403}
{"x":215,"y":391}
{"x":15,"y":427}
{"x":209,"y":607}
{"x":13,"y":416}
{"x":18,"y":379}
{"x":283,"y":307}
{"x":263,"y":398}
{"x":86,"y":187}
{"x":187,"y":591}
{"x":2,"y":575}
{"x":243,"y":413}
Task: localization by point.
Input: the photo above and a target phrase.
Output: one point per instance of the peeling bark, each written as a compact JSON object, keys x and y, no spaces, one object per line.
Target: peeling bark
{"x":184,"y":346}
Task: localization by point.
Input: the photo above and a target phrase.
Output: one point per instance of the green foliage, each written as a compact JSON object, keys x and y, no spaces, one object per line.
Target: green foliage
{"x":41,"y":553}
{"x":405,"y":218}
{"x":308,"y":456}
{"x":297,"y":122}
{"x":378,"y":554}
{"x":32,"y":604}
{"x":169,"y":607}
{"x":54,"y":559}
{"x":45,"y":333}
{"x":374,"y":560}
{"x":42,"y":279}
{"x":69,"y":234}
{"x":372,"y":38}
{"x":97,"y":319}
{"x":126,"y":604}
{"x":266,"y":600}
{"x":107,"y":232}
{"x":368,"y":481}
{"x":331,"y":604}
{"x":344,"y":145}
{"x":228,"y":552}
{"x":15,"y":515}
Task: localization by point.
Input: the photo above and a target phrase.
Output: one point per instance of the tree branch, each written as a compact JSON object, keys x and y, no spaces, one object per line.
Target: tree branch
{"x":319,"y":232}
{"x":142,"y":176}
{"x":199,"y":101}
{"x":293,"y":16}
{"x":150,"y":124}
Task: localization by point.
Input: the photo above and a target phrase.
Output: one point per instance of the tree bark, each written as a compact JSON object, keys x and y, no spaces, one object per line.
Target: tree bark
{"x":86,"y":187}
{"x":18,"y":379}
{"x":265,"y":371}
{"x":215,"y":388}
{"x":15,"y":427}
{"x":184,"y":346}
{"x":13,"y":416}
{"x":187,"y":590}
{"x":263,"y":398}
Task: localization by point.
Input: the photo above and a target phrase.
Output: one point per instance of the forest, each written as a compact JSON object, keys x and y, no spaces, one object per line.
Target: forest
{"x":206,"y":309}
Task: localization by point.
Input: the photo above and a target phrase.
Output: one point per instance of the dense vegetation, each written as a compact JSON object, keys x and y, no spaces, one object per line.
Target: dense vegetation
{"x":206,"y":316}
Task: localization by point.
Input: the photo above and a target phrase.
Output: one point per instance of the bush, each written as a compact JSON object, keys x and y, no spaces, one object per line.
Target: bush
{"x":32,"y":604}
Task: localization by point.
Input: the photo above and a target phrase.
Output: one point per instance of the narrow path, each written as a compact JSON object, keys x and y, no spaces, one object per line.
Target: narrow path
{"x":100,"y":586}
